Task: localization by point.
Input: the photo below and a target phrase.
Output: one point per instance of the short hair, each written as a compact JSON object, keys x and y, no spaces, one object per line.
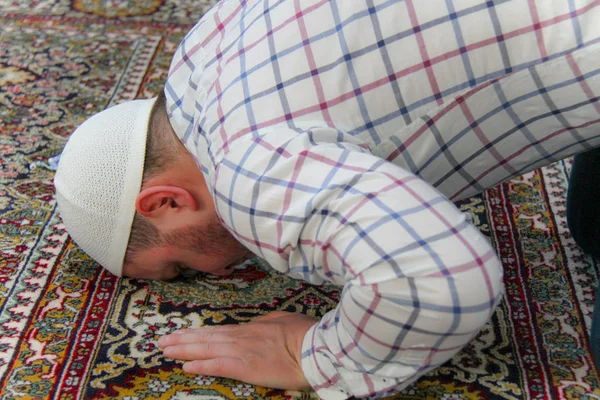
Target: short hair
{"x":161,"y":152}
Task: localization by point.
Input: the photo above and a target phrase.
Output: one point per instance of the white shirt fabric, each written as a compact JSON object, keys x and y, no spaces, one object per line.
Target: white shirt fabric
{"x":334,"y":136}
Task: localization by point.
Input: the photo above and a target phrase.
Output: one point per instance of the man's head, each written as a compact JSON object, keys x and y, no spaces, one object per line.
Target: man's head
{"x":133,"y":198}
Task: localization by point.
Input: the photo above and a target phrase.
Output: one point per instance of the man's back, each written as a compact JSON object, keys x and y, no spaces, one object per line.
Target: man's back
{"x":368,"y":70}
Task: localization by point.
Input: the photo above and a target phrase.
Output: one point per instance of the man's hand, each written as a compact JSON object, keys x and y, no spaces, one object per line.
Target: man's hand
{"x":264,"y":352}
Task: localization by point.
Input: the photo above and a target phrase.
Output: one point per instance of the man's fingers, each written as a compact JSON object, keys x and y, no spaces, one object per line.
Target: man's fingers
{"x":224,"y":367}
{"x":198,"y":335}
{"x":201,"y":351}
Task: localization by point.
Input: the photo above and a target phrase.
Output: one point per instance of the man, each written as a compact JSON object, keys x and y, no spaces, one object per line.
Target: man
{"x":329,"y":138}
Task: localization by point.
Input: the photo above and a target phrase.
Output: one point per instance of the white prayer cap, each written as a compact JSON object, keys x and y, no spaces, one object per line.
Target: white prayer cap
{"x":99,"y":177}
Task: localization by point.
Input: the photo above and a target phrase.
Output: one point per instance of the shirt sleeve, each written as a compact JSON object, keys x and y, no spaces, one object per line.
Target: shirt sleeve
{"x":419,"y":279}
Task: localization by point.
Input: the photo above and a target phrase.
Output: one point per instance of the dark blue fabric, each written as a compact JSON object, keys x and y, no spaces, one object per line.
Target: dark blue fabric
{"x":583,"y":201}
{"x":595,"y":335}
{"x":583,"y":217}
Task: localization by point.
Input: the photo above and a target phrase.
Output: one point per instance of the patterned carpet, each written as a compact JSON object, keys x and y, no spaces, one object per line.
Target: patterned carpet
{"x":68,"y":330}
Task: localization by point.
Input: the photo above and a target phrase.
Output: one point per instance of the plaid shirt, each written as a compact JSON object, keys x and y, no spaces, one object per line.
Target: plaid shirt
{"x":335,"y":134}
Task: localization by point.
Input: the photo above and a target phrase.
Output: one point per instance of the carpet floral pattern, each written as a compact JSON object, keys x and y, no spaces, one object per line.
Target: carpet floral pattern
{"x":69,"y":330}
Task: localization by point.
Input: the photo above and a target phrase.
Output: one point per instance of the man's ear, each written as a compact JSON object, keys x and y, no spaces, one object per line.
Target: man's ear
{"x":157,"y":200}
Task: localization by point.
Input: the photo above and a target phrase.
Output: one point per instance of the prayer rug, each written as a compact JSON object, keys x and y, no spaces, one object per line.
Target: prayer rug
{"x":69,"y":330}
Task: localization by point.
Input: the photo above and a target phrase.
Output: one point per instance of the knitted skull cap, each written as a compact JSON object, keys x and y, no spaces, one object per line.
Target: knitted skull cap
{"x":99,"y":177}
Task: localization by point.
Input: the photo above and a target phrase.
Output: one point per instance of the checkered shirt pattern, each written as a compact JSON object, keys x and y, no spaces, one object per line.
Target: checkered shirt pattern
{"x":334,"y":136}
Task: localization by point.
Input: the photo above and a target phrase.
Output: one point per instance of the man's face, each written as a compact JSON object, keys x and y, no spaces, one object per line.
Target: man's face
{"x":209,"y":248}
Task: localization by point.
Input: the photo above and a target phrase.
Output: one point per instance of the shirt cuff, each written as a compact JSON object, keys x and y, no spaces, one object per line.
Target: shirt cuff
{"x":319,"y":371}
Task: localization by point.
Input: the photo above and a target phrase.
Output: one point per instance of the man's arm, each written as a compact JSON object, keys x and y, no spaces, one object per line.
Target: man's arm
{"x":419,"y":280}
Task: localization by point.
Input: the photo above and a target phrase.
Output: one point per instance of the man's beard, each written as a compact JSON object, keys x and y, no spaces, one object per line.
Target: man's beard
{"x":210,"y":239}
